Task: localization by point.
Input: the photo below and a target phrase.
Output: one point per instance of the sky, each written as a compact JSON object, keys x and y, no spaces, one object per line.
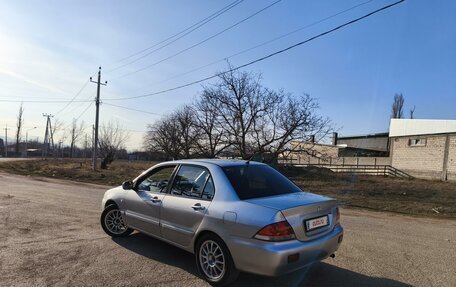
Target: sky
{"x":49,"y":49}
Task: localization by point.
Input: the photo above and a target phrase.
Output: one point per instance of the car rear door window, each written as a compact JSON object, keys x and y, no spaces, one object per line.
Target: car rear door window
{"x":209,"y":190}
{"x":190,"y":181}
{"x":253,"y":181}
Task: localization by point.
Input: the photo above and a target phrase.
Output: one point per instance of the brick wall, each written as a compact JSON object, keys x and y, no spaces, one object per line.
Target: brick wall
{"x":451,"y":166}
{"x":423,"y":161}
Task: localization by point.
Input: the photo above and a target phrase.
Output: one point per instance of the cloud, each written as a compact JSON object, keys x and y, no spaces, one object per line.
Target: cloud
{"x":30,"y":81}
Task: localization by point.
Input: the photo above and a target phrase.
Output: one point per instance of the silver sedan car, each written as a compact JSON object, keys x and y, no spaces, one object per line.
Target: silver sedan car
{"x":233,"y":215}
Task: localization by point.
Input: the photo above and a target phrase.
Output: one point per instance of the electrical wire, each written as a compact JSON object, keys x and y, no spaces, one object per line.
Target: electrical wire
{"x":44,"y":102}
{"x":264,"y":57}
{"x":74,"y":98}
{"x":263,"y":43}
{"x":177,"y":36}
{"x":201,"y":42}
{"x":131,"y":109}
{"x":84,"y":111}
{"x":127,"y":130}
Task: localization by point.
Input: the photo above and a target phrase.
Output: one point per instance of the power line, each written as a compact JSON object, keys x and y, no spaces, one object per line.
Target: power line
{"x":264,"y":43}
{"x":265,"y":57}
{"x":201,"y":42}
{"x":84,"y":111}
{"x":182,"y":34}
{"x":30,"y":98}
{"x":127,"y":130}
{"x":45,"y":102}
{"x":74,"y":98}
{"x":131,"y":109}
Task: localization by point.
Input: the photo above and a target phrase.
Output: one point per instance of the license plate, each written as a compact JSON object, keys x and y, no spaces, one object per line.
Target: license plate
{"x":315,"y":223}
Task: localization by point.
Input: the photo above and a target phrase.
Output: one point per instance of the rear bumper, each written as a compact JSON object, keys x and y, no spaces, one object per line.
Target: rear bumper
{"x":271,"y":259}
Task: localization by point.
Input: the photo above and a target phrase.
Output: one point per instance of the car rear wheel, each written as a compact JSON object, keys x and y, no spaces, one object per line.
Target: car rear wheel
{"x":214,"y":261}
{"x":113,"y":223}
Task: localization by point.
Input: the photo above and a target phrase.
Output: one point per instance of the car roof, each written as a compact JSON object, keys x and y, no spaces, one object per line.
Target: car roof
{"x":218,"y":162}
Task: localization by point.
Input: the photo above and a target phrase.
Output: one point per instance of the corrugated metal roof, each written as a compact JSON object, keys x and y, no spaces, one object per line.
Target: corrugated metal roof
{"x":410,"y":127}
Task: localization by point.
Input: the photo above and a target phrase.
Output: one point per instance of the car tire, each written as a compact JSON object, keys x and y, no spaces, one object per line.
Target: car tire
{"x":113,"y":223}
{"x":214,"y":261}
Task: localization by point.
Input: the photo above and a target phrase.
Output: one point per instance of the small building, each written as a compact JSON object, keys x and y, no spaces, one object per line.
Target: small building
{"x":424,"y":148}
{"x":367,"y":145}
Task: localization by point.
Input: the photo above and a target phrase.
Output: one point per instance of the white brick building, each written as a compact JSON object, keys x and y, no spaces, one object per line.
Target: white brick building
{"x":424,"y":148}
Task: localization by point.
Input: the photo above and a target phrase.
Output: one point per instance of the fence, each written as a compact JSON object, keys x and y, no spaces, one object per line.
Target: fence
{"x":310,"y":160}
{"x":357,"y":165}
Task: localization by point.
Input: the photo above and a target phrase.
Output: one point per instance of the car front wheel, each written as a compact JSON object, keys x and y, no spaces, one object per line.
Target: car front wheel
{"x":214,"y":261}
{"x":113,"y":223}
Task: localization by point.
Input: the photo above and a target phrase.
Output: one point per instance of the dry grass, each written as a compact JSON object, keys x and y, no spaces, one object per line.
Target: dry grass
{"x":78,"y":170}
{"x":416,"y":196}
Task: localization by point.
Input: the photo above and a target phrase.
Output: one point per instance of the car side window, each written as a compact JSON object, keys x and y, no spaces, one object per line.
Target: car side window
{"x":157,"y":181}
{"x":209,"y":190}
{"x":190,"y":181}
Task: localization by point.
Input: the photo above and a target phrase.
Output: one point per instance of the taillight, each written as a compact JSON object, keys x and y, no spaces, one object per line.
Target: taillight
{"x":279,"y":231}
{"x":337,"y":214}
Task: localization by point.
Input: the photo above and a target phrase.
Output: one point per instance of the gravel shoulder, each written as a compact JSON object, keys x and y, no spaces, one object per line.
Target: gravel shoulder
{"x":50,"y":235}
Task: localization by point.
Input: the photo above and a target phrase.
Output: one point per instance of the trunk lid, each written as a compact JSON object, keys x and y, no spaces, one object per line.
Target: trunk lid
{"x":299,"y":207}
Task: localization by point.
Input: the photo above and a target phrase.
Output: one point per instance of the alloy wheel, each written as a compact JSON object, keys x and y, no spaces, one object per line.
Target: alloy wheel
{"x":212,"y":260}
{"x":114,"y":222}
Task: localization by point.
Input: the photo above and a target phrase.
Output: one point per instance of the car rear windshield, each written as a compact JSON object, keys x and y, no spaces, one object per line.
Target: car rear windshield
{"x":253,"y":181}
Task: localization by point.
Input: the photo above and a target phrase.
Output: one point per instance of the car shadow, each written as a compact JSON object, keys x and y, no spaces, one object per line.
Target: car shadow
{"x":320,"y":274}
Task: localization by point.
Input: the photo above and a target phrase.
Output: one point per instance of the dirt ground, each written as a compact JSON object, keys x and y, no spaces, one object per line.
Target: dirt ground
{"x":50,"y":236}
{"x":415,"y":197}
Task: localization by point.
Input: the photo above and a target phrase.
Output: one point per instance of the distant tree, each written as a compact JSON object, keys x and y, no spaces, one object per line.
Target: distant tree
{"x":19,"y":124}
{"x":412,"y":112}
{"x":187,"y":130}
{"x":176,"y":134}
{"x":111,"y":141}
{"x":75,"y":133}
{"x":289,"y":119}
{"x":56,"y":126}
{"x":237,"y":117}
{"x":397,"y":107}
{"x":259,"y":120}
{"x":239,"y":100}
{"x":213,"y":138}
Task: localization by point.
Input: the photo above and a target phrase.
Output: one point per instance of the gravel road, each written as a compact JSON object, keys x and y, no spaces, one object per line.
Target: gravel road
{"x":50,"y":235}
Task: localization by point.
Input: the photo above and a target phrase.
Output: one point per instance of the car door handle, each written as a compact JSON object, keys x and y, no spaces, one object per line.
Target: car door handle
{"x":155,"y":199}
{"x":198,"y":206}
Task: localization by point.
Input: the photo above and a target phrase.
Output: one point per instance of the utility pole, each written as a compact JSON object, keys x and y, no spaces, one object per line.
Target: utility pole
{"x":97,"y":104}
{"x":6,"y":140}
{"x":48,"y":137}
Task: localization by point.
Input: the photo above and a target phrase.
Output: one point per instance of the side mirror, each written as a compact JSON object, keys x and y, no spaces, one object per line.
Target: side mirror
{"x":126,"y":185}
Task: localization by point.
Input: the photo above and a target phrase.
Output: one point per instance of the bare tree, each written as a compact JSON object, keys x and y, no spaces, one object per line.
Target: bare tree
{"x":188,"y":133}
{"x":75,"y":133}
{"x":61,"y":142}
{"x":237,"y":115}
{"x":412,"y":112}
{"x":19,"y":124}
{"x":239,"y":99}
{"x":177,"y":135}
{"x":213,"y":138}
{"x":111,"y":141}
{"x":289,"y":119}
{"x":56,"y":126}
{"x":163,"y":136}
{"x":397,"y":107}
